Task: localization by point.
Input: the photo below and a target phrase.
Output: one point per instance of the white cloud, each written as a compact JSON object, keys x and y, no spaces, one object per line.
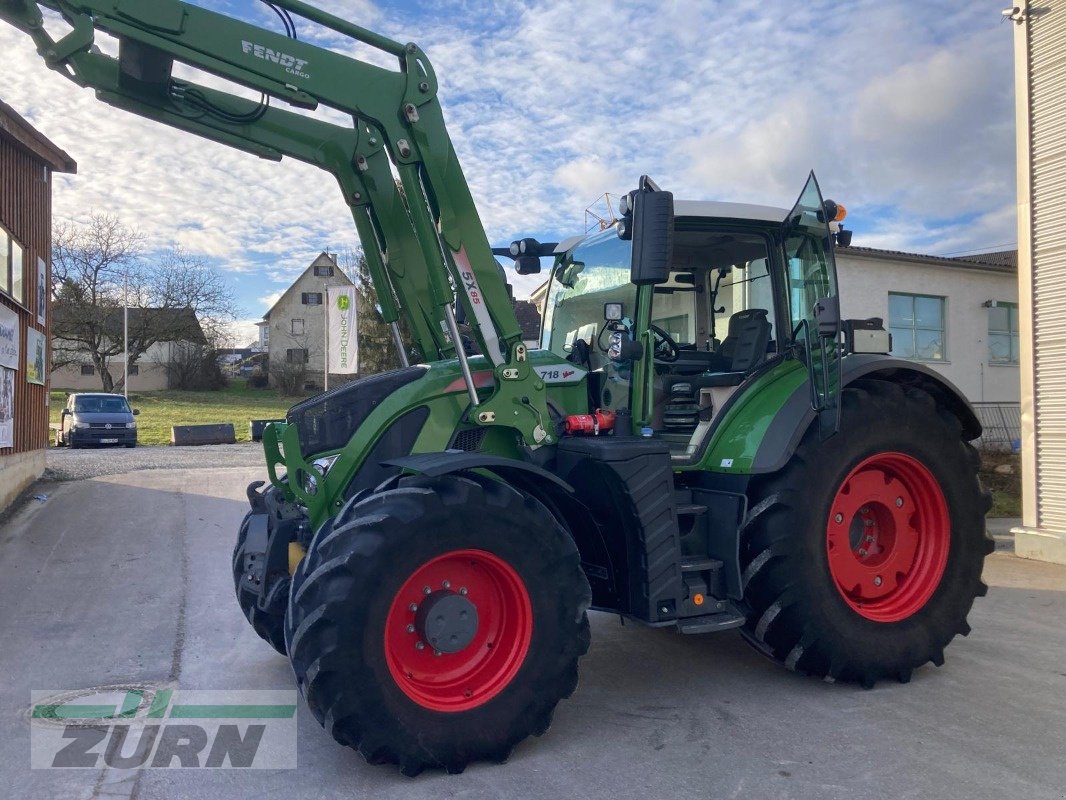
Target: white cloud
{"x":242,"y":332}
{"x":906,"y":117}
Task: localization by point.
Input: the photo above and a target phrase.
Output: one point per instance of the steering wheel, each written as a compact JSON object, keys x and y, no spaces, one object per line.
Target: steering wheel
{"x":666,"y":349}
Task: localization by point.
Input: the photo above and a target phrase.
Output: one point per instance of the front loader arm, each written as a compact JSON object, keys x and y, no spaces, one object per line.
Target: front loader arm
{"x":419,"y":242}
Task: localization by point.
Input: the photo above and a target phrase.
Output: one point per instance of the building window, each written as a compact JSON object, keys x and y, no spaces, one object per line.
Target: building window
{"x":88,"y":369}
{"x":311,"y":298}
{"x":1003,"y":333}
{"x":323,"y":272}
{"x":264,"y":335}
{"x":12,"y":267}
{"x":135,"y":369}
{"x":917,"y":325}
{"x":296,"y":355}
{"x":297,"y":327}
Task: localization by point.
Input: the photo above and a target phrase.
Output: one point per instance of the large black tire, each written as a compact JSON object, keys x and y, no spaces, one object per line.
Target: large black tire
{"x":269,"y":624}
{"x":358,"y":572}
{"x":798,"y":614}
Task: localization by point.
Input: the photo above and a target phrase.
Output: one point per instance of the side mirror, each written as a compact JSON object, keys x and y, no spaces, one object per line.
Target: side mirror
{"x":843,"y":238}
{"x":653,"y":234}
{"x":64,"y":412}
{"x":136,"y":411}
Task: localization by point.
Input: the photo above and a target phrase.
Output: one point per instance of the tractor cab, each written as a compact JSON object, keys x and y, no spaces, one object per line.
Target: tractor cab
{"x":741,"y":292}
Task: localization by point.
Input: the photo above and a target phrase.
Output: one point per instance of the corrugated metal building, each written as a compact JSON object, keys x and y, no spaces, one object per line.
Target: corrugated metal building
{"x":1040,"y":90}
{"x":27,"y":161}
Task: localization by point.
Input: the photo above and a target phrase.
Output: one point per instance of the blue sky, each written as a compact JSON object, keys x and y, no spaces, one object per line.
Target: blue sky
{"x":904,"y":110}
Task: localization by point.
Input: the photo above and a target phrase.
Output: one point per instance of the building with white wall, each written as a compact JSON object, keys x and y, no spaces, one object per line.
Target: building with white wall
{"x":958,"y":315}
{"x":293,"y":331}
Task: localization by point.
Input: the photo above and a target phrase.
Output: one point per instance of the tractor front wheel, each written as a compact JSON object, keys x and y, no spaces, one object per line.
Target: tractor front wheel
{"x":862,"y":557}
{"x":438,"y":623}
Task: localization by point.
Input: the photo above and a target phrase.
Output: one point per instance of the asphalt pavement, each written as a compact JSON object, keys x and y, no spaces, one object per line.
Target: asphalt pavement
{"x":124,"y":580}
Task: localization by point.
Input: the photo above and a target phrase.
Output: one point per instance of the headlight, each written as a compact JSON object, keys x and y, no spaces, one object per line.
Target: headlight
{"x":323,"y":465}
{"x":131,"y":424}
{"x":78,"y":426}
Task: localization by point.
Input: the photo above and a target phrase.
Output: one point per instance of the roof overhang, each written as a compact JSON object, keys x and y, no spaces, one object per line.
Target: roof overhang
{"x":13,"y":126}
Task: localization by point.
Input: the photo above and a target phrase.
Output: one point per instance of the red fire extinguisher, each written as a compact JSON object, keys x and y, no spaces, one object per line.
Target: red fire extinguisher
{"x":590,"y":424}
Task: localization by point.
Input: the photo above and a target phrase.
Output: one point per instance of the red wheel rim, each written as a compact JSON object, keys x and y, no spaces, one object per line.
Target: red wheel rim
{"x":480,"y":670}
{"x":888,"y":537}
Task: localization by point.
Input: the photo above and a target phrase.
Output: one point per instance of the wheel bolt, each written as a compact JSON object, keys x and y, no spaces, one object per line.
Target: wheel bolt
{"x":462,"y":590}
{"x":436,"y":652}
{"x":838,"y":518}
{"x":420,"y":645}
{"x":862,"y":552}
{"x":877,"y":580}
{"x":413,"y":607}
{"x":410,"y":628}
{"x":864,"y":510}
{"x":899,"y":502}
{"x":869,"y":523}
{"x":446,"y":584}
{"x":426,"y":590}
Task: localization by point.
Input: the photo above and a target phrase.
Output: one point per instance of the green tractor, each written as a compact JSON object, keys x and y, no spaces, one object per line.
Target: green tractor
{"x":700,"y":442}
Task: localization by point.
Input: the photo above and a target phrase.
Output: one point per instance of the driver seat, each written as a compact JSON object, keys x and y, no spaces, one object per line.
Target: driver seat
{"x":742,"y":350}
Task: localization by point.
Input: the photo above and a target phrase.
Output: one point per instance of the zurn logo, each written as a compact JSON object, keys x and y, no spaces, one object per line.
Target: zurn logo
{"x":133,"y":728}
{"x":292,"y":64}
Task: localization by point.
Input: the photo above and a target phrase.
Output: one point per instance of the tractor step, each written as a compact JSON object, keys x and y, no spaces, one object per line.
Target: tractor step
{"x":711,"y":623}
{"x":700,"y":565}
{"x":691,"y":510}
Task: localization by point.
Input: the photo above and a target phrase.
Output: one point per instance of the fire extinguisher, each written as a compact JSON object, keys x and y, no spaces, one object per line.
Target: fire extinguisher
{"x":590,"y":424}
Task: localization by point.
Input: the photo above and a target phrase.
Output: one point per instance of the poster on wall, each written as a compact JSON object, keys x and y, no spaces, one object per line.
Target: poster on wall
{"x":9,"y":338}
{"x":42,"y":290}
{"x":7,"y":407}
{"x":35,"y":344}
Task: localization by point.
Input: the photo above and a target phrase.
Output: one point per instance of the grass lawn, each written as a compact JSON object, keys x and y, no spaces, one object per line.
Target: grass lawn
{"x":1002,"y":474}
{"x":163,"y":409}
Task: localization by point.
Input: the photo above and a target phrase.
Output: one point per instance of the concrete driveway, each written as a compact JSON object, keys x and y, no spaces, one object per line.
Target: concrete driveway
{"x":125,"y":579}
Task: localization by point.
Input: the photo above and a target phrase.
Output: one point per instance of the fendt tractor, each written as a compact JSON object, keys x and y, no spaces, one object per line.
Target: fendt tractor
{"x":699,"y":443}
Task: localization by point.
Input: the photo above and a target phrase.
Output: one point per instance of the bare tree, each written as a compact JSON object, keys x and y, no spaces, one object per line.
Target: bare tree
{"x":100,"y":266}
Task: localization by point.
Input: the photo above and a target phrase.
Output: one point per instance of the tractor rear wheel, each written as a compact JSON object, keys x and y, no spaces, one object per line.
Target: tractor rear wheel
{"x":862,"y":557}
{"x":269,"y":624}
{"x":438,"y":623}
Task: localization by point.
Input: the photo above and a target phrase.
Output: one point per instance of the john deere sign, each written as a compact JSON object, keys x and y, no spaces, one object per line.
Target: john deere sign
{"x":342,"y":338}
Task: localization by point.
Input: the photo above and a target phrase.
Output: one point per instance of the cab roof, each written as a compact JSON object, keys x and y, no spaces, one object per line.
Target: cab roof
{"x":720,"y":210}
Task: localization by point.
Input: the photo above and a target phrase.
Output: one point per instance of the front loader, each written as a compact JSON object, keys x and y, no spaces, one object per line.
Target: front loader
{"x":699,"y":443}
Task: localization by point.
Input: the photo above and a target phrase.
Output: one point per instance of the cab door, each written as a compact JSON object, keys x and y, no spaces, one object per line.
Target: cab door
{"x":814,"y":307}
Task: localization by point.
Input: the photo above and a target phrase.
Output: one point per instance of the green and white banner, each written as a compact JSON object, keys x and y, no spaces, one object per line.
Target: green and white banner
{"x":342,"y":334}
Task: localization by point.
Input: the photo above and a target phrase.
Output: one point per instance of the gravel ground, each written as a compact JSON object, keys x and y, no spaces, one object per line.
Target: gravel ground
{"x":73,"y":465}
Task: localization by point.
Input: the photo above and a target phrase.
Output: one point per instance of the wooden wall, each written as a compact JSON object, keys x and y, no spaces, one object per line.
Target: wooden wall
{"x":26,"y":213}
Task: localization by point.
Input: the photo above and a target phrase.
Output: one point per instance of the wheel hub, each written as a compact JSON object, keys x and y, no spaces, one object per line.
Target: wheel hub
{"x":888,"y":536}
{"x":446,"y":621}
{"x":458,"y":630}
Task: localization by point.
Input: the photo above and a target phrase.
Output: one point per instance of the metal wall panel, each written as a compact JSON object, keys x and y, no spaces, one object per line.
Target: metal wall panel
{"x":1047,"y":134}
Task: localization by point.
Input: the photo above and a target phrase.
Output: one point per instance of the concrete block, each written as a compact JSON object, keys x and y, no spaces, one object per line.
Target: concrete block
{"x":222,"y":433}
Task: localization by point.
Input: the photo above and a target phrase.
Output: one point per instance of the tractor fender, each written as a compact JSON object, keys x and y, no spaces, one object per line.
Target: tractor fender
{"x":796,"y":415}
{"x":558,"y":496}
{"x":512,"y":470}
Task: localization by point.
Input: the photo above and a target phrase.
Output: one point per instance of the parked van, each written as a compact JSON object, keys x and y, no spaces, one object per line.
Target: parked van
{"x":97,"y":418}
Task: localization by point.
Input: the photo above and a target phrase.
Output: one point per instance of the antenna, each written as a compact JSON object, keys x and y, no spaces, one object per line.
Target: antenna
{"x":600,"y":214}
